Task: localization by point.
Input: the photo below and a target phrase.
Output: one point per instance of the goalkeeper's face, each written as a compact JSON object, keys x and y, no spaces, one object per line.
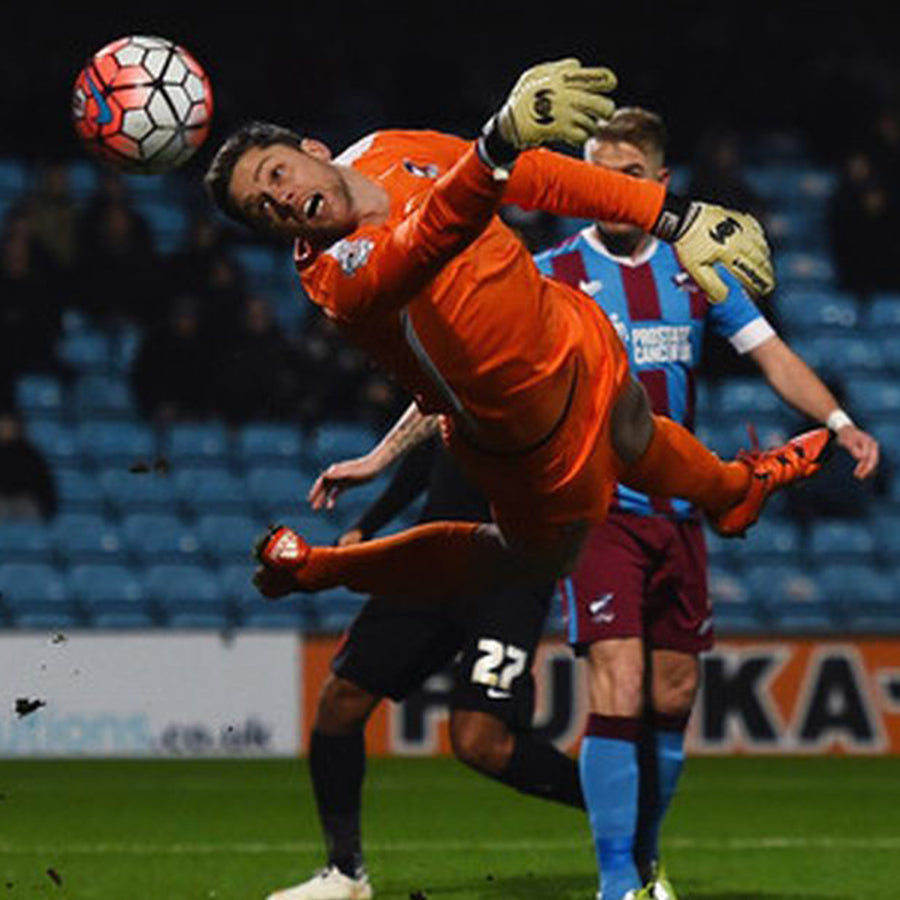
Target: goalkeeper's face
{"x":294,"y":193}
{"x":621,"y":156}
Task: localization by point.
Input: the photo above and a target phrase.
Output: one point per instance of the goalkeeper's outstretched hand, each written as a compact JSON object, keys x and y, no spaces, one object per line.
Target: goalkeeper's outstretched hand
{"x":705,"y":235}
{"x":556,"y":101}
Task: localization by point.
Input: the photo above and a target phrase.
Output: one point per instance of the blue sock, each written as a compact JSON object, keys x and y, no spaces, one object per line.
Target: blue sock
{"x":609,"y":780}
{"x":655,"y":802}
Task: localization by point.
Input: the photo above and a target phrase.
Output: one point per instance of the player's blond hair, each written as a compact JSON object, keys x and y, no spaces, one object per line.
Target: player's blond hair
{"x":632,"y":125}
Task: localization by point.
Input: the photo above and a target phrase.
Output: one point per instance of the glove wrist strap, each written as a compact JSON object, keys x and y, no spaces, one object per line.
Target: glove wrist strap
{"x":495,"y":151}
{"x":677,"y":215}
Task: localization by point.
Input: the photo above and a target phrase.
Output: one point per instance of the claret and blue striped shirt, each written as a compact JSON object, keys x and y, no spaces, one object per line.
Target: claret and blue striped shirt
{"x":660,"y":315}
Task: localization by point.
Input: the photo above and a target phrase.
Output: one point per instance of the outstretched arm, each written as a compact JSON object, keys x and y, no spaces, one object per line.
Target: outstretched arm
{"x":410,"y":429}
{"x":798,"y":385}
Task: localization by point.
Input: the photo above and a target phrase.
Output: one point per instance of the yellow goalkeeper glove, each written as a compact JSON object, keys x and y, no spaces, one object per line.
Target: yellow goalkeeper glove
{"x":556,"y":101}
{"x":705,"y":235}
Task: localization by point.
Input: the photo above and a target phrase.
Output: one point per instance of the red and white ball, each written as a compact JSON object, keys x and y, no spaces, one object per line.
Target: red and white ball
{"x":143,"y":104}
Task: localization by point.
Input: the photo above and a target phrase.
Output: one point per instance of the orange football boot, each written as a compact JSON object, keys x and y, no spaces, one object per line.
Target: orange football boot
{"x":770,"y":470}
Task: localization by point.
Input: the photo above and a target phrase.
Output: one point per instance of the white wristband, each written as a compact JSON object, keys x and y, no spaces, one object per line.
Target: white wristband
{"x":838,"y":419}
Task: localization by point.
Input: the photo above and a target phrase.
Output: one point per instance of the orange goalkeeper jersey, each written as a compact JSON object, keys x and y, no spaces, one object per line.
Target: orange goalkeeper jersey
{"x":445,"y":297}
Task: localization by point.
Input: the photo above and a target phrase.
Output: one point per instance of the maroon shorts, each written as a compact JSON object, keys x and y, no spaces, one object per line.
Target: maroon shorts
{"x":641,"y":576}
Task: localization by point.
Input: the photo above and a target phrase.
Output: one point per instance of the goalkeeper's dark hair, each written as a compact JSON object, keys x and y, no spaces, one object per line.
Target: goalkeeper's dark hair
{"x":633,"y":125}
{"x":217,"y":180}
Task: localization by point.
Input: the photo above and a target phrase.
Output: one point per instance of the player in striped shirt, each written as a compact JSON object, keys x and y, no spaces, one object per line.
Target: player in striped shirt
{"x":643,"y":574}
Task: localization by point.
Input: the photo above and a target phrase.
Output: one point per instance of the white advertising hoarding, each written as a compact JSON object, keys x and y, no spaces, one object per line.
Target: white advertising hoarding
{"x":150,"y":694}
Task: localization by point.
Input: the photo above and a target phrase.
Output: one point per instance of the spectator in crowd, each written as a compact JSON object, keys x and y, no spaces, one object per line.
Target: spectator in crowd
{"x":121,"y":275}
{"x":30,"y":309}
{"x":264,"y":375}
{"x":718,"y":174}
{"x":176,"y":374}
{"x":52,"y":216}
{"x":27,"y":487}
{"x":864,"y":219}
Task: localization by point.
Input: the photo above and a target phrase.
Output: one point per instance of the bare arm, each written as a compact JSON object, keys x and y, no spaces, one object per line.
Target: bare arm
{"x":409,"y":430}
{"x":798,"y":385}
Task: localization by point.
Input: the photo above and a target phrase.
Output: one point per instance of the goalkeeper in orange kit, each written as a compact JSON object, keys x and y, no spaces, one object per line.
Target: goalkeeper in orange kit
{"x":398,"y":240}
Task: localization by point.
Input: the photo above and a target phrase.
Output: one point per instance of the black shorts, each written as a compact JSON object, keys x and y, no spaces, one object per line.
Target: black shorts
{"x":392,"y":649}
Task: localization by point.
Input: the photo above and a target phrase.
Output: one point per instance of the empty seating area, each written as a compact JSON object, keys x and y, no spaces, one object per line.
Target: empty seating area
{"x":155,"y":522}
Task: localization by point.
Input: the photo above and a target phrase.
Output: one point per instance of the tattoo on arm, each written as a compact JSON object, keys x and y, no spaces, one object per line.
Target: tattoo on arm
{"x":412,"y":428}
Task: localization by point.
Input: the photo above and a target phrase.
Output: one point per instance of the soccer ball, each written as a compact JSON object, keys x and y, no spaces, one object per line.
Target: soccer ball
{"x":143,"y":104}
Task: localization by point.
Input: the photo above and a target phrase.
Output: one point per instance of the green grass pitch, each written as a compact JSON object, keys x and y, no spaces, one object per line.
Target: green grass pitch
{"x":741,"y":829}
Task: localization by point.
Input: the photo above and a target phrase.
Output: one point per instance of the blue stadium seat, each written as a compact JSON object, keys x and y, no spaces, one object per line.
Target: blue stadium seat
{"x":85,"y":537}
{"x":157,"y":537}
{"x":197,"y":443}
{"x":720,"y":550}
{"x":25,"y":541}
{"x":46,"y":617}
{"x":109,"y":443}
{"x":886,"y":532}
{"x":336,"y":441}
{"x":13,"y":177}
{"x":207,"y":619}
{"x":805,"y":619}
{"x":77,"y":490}
{"x":88,"y":351}
{"x":228,"y":537}
{"x":874,"y":396}
{"x":856,"y":586}
{"x":168,"y":221}
{"x":270,"y":443}
{"x":127,"y":492}
{"x":206,"y":489}
{"x":58,"y":442}
{"x":727,"y":587}
{"x":779,"y":585}
{"x":840,"y":541}
{"x":274,"y":487}
{"x":103,"y":396}
{"x":845,"y":355}
{"x":773,"y":541}
{"x":883,"y":313}
{"x":235,"y":585}
{"x":105,"y":588}
{"x":808,"y":312}
{"x":39,"y":396}
{"x":182,"y":588}
{"x":805,"y":267}
{"x":747,"y":397}
{"x":126,"y":618}
{"x":83,"y":178}
{"x":280,"y":616}
{"x":24,"y":584}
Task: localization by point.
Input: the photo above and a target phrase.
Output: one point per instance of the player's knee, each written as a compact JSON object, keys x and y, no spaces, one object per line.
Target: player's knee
{"x":631,"y":423}
{"x":675,"y":692}
{"x":481,"y":741}
{"x":343,"y":707}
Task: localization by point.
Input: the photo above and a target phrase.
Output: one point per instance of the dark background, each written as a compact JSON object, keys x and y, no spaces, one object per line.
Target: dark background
{"x":338,"y":69}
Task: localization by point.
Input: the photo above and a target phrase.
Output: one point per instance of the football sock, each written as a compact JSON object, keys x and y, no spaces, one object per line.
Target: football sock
{"x":676,"y":464}
{"x":337,"y":765}
{"x":438,"y":559}
{"x":659,"y":780}
{"x":536,"y":767}
{"x":609,"y":778}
